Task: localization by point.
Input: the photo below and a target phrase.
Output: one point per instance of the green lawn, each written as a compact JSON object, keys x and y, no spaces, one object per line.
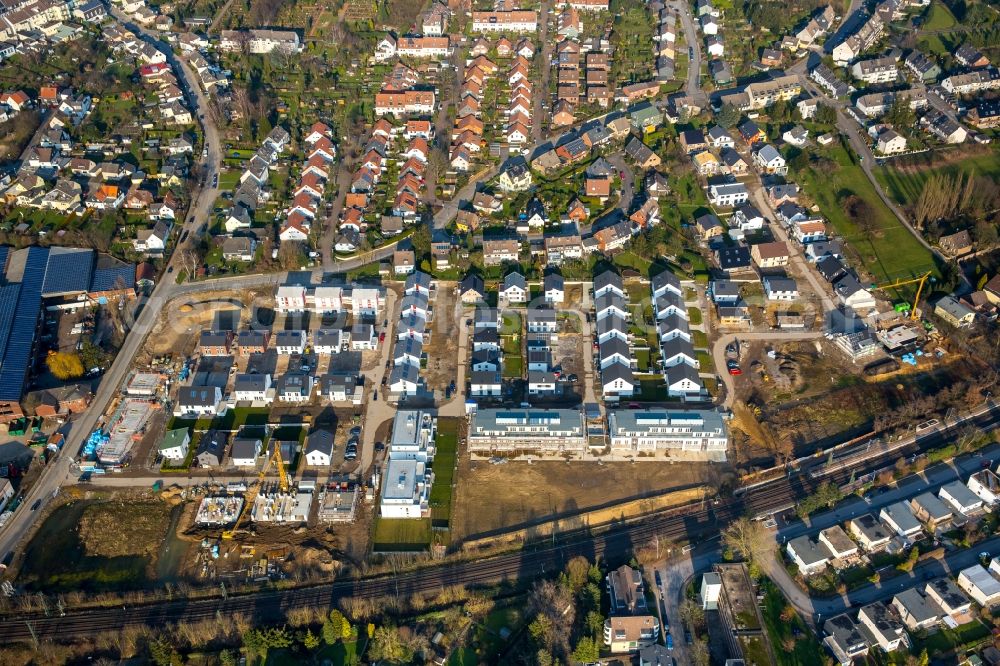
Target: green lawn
{"x":705,"y":361}
{"x":946,"y":639}
{"x":237,"y":417}
{"x":229,"y":180}
{"x":886,"y":250}
{"x":402,"y":534}
{"x":642,"y":359}
{"x":511,"y":323}
{"x":629,"y":259}
{"x":694,"y":316}
{"x":904,"y":187}
{"x":807,"y":649}
{"x":939,"y":18}
{"x":651,"y":388}
{"x":699,"y":339}
{"x":444,"y":470}
{"x":513,"y":367}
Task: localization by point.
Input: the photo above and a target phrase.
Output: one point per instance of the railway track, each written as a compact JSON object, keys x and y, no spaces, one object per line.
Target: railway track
{"x":694,"y":524}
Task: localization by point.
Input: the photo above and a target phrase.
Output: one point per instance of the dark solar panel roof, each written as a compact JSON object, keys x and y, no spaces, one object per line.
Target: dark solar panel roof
{"x":17,"y":356}
{"x":68,"y":271}
{"x":4,"y":253}
{"x":111,"y":274}
{"x":8,"y":306}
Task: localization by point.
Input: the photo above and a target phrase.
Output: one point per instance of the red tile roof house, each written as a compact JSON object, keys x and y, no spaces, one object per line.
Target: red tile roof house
{"x":597,"y":187}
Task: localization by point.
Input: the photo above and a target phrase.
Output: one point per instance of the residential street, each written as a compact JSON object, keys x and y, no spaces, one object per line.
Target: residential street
{"x":692,"y":88}
{"x":544,"y":56}
{"x":677,"y":569}
{"x":866,"y":159}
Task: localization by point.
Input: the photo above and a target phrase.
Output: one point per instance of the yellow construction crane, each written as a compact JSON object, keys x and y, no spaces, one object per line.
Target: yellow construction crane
{"x":901,"y":282}
{"x":253,"y":491}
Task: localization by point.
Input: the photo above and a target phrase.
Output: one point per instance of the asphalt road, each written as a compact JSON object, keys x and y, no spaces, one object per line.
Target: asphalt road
{"x":693,"y":85}
{"x":57,"y":473}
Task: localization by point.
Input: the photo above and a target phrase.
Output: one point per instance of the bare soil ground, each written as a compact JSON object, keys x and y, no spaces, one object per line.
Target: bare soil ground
{"x":102,"y":534}
{"x":442,"y":350}
{"x":495,"y":497}
{"x":183,"y":320}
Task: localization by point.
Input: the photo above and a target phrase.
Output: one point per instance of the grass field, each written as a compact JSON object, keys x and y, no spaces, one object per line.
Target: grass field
{"x":807,"y":649}
{"x":402,"y":534}
{"x":444,"y":470}
{"x":888,"y":250}
{"x":904,"y":184}
{"x":939,"y":18}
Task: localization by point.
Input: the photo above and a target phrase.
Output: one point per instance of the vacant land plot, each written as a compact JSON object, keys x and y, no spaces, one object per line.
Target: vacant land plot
{"x":402,"y":534}
{"x":444,"y":470}
{"x":98,"y":545}
{"x":883,"y":246}
{"x":905,"y":181}
{"x":101,"y":534}
{"x":441,"y":357}
{"x":494,"y":497}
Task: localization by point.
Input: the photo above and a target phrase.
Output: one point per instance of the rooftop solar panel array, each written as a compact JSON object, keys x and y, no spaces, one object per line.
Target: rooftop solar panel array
{"x":17,"y":356}
{"x":8,"y":307}
{"x":68,"y":271}
{"x":4,"y":253}
{"x":113,"y":278}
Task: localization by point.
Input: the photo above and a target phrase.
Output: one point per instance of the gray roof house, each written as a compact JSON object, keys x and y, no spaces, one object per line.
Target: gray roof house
{"x":319,"y":447}
{"x":211,"y":449}
{"x":916,"y":610}
{"x":811,"y":557}
{"x":872,"y":534}
{"x":929,"y":509}
{"x":900,"y":518}
{"x":844,"y":639}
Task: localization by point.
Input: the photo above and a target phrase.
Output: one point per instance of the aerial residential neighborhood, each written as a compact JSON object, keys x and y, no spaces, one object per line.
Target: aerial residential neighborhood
{"x":499,"y":332}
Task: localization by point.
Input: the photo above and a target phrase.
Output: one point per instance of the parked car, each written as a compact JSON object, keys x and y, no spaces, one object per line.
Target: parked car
{"x":356,"y":430}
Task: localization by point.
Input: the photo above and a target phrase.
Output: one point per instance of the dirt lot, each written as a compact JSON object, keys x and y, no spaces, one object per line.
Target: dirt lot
{"x":442,"y":356}
{"x":147,"y":526}
{"x":814,"y":397}
{"x":494,"y":497}
{"x":182,"y":322}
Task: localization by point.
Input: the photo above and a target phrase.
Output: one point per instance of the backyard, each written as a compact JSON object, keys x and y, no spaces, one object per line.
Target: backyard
{"x":794,"y":644}
{"x":444,"y":471}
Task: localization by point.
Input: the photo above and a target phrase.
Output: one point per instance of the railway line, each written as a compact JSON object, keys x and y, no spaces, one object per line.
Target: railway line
{"x":691,"y":524}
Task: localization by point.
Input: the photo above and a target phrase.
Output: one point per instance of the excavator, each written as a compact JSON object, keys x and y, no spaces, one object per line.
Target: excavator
{"x":253,"y":491}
